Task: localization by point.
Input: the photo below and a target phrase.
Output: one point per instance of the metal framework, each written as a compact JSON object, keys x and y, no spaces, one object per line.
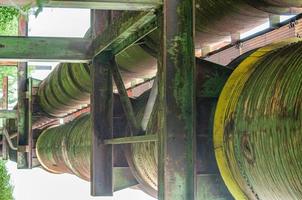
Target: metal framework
{"x":176,"y":81}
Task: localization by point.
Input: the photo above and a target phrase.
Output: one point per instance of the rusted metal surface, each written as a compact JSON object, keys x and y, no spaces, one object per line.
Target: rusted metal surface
{"x":8,"y":63}
{"x":128,"y":109}
{"x":177,"y":106}
{"x":29,"y":96}
{"x":4,"y":107}
{"x":101,"y":159}
{"x":22,"y":157}
{"x":102,"y":117}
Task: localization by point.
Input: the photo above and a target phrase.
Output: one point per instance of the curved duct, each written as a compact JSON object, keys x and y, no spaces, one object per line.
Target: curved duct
{"x":257,"y":129}
{"x":62,"y":92}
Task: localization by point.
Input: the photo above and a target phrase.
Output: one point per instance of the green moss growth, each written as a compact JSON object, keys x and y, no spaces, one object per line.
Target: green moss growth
{"x":8,"y":21}
{"x":6,"y":189}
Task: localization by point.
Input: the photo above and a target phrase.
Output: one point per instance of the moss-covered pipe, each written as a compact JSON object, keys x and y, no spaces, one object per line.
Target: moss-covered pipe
{"x":67,"y":88}
{"x":66,"y":148}
{"x":257,"y":130}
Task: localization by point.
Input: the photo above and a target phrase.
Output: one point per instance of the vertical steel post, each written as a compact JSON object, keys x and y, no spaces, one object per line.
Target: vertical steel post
{"x":177,"y":102}
{"x":102,"y":117}
{"x":102,"y":113}
{"x":29,"y":116}
{"x":22,"y":156}
{"x":4,"y":107}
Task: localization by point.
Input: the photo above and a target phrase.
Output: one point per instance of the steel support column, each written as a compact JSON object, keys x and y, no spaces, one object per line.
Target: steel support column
{"x":4,"y":107}
{"x":177,"y":138}
{"x":101,"y":112}
{"x":102,"y":115}
{"x":22,"y":156}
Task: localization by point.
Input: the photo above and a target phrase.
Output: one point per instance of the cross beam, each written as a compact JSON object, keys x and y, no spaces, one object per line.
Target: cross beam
{"x":128,"y":29}
{"x":26,"y":49}
{"x":131,"y":27}
{"x":90,"y":4}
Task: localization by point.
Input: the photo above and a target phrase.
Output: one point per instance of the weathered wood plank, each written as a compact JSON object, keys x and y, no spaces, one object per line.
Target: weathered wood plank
{"x":90,"y":4}
{"x":126,"y":30}
{"x":25,"y":49}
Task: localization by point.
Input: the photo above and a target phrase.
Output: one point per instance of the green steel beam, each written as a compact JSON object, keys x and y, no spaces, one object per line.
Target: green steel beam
{"x":177,"y":102}
{"x":30,"y":130}
{"x":24,"y":49}
{"x":105,"y":4}
{"x":8,"y":114}
{"x":22,"y":157}
{"x":89,"y":4}
{"x":129,"y":28}
{"x":126,"y":104}
{"x":102,"y":124}
{"x":133,"y":139}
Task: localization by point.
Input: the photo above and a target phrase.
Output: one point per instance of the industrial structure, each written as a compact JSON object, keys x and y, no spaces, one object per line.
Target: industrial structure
{"x":223,"y":125}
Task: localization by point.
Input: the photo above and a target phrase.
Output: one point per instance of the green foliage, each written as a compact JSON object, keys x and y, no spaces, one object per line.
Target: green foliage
{"x":8,"y":21}
{"x":6,"y":190}
{"x":9,"y":26}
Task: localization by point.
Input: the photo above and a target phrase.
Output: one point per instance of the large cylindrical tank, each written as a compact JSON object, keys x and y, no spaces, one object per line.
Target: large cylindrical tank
{"x":258,"y":123}
{"x":67,"y":88}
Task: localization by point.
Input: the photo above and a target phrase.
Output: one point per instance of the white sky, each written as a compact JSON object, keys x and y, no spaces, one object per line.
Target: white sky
{"x":37,"y":184}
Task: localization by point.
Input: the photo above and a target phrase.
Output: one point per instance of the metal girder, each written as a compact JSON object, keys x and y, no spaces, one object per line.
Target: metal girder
{"x":102,"y":124}
{"x":90,"y":4}
{"x":129,"y":28}
{"x":106,"y":4}
{"x":126,"y":104}
{"x":25,"y":49}
{"x":8,"y":114}
{"x":22,"y":157}
{"x":177,"y":110}
{"x":133,"y":139}
{"x":5,"y":107}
